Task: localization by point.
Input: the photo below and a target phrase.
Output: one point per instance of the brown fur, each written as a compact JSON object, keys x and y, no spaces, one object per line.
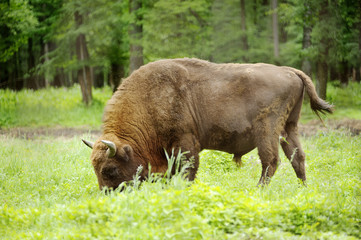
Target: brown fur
{"x":193,"y":105}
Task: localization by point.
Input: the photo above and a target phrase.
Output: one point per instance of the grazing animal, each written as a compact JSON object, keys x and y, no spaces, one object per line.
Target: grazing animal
{"x":191,"y":104}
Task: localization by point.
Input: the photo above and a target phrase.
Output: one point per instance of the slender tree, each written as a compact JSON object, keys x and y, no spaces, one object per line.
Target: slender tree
{"x":276,"y":50}
{"x":31,"y":81}
{"x":136,"y":35}
{"x":322,"y":64}
{"x":84,"y":76}
{"x":244,"y":29}
{"x":358,"y":61}
{"x":358,"y":65}
{"x":306,"y":39}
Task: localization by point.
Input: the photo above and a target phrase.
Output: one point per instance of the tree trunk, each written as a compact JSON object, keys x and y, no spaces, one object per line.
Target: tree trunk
{"x":17,"y":82}
{"x":334,"y":74}
{"x":98,"y":73}
{"x":136,"y":35}
{"x":306,"y":41}
{"x":46,"y":74}
{"x":322,"y":75}
{"x":322,"y":65}
{"x":275,"y":28}
{"x":116,"y":74}
{"x":357,"y":74}
{"x":344,"y":73}
{"x":59,"y":78}
{"x":244,"y":30}
{"x":84,"y":77}
{"x":31,"y":81}
{"x":358,"y":65}
{"x":3,"y":75}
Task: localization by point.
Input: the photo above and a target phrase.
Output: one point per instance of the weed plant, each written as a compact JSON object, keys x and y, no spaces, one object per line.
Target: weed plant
{"x":48,"y":190}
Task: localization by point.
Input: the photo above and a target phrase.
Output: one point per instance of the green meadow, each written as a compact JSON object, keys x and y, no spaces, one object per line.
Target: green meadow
{"x":48,"y":189}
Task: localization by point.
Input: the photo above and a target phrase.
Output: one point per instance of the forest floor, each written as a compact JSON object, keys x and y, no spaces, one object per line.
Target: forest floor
{"x":306,"y":130}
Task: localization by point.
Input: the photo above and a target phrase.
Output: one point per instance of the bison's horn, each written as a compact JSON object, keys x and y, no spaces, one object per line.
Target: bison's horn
{"x":89,"y":144}
{"x":112,"y":149}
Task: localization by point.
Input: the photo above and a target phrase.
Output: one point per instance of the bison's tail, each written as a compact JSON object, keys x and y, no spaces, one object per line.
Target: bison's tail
{"x":318,"y":105}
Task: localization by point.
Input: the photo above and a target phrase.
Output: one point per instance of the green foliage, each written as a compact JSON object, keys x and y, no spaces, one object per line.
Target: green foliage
{"x":207,"y":29}
{"x":105,"y":27}
{"x":337,"y":31}
{"x":55,"y":195}
{"x":51,"y":107}
{"x":174,"y":28}
{"x":226,"y":40}
{"x":16,"y":22}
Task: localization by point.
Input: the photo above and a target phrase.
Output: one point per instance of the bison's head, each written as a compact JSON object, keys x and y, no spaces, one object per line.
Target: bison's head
{"x":113,"y":162}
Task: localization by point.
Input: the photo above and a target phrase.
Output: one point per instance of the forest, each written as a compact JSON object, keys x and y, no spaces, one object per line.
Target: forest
{"x":98,"y":42}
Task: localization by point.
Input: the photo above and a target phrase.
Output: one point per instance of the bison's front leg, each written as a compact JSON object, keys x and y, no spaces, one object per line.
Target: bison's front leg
{"x":268,"y":153}
{"x":189,"y":143}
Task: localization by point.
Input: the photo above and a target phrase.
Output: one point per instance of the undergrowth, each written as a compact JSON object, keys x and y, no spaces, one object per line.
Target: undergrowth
{"x":48,"y":190}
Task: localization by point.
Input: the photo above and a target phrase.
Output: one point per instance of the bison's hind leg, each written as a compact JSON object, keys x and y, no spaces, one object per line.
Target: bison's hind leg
{"x":292,"y":146}
{"x":293,"y":150}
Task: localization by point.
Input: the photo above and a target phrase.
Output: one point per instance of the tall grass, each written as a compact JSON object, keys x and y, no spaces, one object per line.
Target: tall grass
{"x":51,"y":107}
{"x":48,"y":191}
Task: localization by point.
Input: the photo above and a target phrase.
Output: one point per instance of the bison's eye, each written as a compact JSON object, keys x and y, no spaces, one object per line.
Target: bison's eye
{"x":110,"y":172}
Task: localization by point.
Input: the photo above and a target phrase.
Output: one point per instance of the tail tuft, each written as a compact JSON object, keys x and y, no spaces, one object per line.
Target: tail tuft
{"x":321,"y":106}
{"x":318,"y":105}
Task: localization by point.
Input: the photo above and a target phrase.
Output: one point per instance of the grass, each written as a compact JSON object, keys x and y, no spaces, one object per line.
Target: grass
{"x":48,"y":189}
{"x":51,"y":107}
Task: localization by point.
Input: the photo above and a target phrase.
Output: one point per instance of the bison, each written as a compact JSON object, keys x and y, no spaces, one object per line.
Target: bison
{"x":192,"y":104}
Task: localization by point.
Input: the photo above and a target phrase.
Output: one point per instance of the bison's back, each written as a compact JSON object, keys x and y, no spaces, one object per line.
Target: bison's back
{"x":234,"y":100}
{"x":222,"y":104}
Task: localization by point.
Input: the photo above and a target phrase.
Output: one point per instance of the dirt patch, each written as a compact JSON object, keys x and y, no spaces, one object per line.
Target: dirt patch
{"x":315,"y":126}
{"x":58,"y":132}
{"x":309,"y":129}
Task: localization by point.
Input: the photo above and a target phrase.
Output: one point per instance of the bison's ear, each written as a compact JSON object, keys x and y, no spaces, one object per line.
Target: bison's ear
{"x":128,"y":152}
